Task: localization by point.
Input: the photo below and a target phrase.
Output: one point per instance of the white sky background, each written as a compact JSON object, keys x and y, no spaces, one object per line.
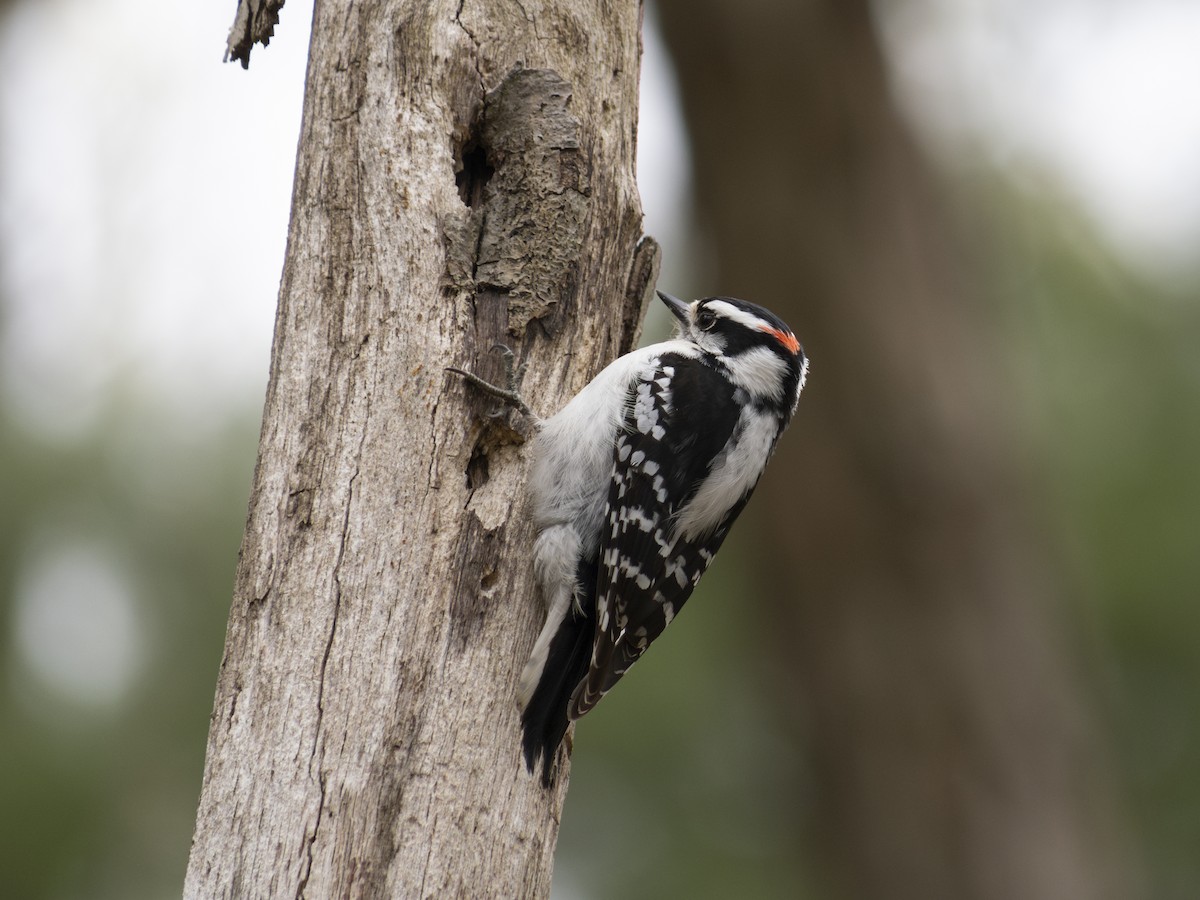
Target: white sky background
{"x":145,"y":189}
{"x":144,"y":186}
{"x":1101,"y":95}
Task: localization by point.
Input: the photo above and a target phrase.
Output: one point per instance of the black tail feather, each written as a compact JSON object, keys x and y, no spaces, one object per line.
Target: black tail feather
{"x":545,"y":719}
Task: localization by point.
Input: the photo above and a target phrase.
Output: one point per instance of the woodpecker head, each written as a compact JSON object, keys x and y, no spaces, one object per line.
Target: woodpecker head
{"x":753,"y":344}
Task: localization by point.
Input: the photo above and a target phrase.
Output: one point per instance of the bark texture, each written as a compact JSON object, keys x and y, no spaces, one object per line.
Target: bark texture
{"x":465,"y":177}
{"x":920,"y":651}
{"x":254,"y":23}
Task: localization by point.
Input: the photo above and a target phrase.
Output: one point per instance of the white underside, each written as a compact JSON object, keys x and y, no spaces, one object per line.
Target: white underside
{"x":572,"y":467}
{"x":568,"y":482}
{"x":572,"y":454}
{"x":734,"y":474}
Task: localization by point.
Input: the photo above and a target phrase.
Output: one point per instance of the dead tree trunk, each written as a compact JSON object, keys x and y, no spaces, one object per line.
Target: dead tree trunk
{"x":465,"y":178}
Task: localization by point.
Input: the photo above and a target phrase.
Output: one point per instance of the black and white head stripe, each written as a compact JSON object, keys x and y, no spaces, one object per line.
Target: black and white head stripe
{"x":753,"y":345}
{"x":719,"y":312}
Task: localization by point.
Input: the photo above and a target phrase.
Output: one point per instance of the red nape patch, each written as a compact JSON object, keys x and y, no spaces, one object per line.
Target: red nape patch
{"x":784,"y":337}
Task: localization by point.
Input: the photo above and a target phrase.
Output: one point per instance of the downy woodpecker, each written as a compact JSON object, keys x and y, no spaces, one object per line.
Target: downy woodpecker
{"x":634,"y":485}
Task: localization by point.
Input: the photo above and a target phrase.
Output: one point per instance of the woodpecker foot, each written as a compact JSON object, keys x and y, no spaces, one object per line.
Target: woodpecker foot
{"x":513,"y":375}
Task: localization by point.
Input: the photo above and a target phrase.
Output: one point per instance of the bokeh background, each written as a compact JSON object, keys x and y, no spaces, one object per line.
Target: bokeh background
{"x":953,"y":650}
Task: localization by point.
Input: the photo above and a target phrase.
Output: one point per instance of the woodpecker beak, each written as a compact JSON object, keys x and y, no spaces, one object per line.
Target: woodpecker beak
{"x":679,"y":309}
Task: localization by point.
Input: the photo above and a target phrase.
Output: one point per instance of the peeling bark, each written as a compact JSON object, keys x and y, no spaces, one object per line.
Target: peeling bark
{"x":253,"y":23}
{"x":465,"y":178}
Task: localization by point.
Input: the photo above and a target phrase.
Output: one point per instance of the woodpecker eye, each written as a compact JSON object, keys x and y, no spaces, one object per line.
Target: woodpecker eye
{"x":706,"y":320}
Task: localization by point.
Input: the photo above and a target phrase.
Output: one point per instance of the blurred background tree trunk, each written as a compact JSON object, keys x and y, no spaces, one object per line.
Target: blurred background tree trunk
{"x":919,"y":647}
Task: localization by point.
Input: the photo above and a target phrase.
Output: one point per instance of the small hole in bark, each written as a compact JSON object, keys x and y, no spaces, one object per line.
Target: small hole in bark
{"x":474,"y":174}
{"x":477,"y":468}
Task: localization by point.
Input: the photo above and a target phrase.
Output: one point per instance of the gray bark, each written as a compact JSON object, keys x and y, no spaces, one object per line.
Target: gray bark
{"x":465,"y":177}
{"x":254,"y":23}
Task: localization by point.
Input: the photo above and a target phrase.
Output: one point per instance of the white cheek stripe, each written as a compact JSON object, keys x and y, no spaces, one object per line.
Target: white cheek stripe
{"x":760,"y":371}
{"x":754,"y":323}
{"x":734,"y":314}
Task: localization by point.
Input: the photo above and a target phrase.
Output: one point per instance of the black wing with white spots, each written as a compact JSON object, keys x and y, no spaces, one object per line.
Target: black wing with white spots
{"x":647,"y":571}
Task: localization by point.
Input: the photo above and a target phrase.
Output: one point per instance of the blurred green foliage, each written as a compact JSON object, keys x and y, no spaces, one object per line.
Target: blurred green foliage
{"x":1110,"y":388}
{"x":1106,"y":374}
{"x":684,"y":775}
{"x":99,"y":802}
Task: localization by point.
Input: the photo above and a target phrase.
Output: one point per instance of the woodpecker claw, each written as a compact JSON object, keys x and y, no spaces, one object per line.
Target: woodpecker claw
{"x":513,"y":376}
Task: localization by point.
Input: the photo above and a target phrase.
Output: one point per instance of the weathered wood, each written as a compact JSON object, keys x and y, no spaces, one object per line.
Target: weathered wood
{"x":465,"y":177}
{"x":253,"y":23}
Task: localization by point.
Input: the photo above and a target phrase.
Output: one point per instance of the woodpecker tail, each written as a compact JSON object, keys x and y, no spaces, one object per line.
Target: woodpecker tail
{"x":559,"y":662}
